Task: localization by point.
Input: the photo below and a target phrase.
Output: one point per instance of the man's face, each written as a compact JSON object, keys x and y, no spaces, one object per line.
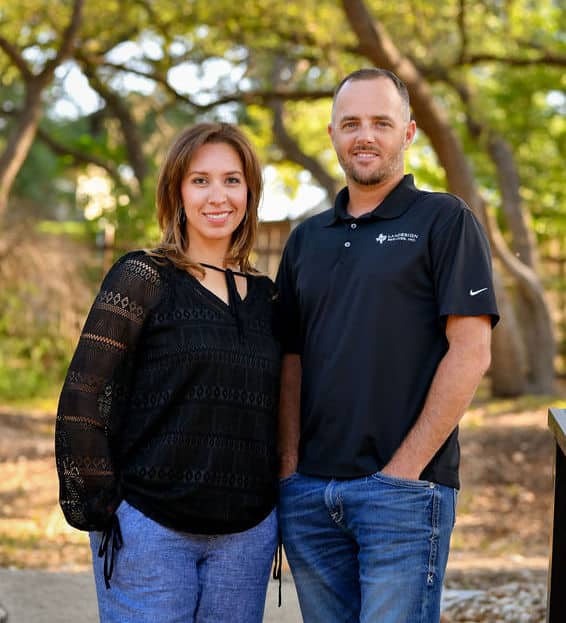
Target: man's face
{"x":370,"y":131}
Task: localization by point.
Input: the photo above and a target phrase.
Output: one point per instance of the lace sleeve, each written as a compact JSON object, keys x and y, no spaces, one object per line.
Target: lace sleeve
{"x":96,"y":386}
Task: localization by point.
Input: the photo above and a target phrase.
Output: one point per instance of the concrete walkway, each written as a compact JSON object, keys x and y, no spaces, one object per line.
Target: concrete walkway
{"x":44,"y":597}
{"x":28,"y":596}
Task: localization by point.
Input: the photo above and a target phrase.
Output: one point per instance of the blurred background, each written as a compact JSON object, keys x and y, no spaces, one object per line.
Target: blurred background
{"x":92,"y":93}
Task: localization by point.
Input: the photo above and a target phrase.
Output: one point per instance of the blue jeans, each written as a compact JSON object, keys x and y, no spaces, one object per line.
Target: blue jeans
{"x":165,"y":576}
{"x":367,"y":550}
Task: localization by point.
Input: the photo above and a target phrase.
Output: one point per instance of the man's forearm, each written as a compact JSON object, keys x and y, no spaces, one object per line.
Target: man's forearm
{"x":450,"y":393}
{"x":289,"y":414}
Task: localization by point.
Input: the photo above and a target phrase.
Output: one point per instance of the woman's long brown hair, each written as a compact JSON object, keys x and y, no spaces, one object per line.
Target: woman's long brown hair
{"x":171,"y":212}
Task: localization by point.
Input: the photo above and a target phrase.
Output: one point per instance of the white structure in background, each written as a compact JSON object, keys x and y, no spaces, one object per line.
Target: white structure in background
{"x":278,"y":206}
{"x":94,"y":194}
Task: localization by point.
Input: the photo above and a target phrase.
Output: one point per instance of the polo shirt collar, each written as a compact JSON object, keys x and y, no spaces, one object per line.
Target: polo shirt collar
{"x":394,"y":205}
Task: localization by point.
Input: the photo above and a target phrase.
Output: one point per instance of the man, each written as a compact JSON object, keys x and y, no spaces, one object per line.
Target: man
{"x":387,"y":305}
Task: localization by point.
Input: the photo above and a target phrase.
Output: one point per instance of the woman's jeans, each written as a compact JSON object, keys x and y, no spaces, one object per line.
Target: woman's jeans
{"x":165,"y":576}
{"x":367,"y":550}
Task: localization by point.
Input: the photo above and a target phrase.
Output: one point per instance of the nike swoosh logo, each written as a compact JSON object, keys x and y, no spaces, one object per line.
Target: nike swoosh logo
{"x":474,"y":292}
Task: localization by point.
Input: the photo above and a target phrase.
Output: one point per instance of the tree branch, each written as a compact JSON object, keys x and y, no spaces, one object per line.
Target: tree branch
{"x":16,"y":57}
{"x":462,"y":29}
{"x":261,"y":96}
{"x":548,"y":58}
{"x":118,"y":36}
{"x":67,"y":43}
{"x":130,"y":130}
{"x":295,"y":154}
{"x":526,"y":277}
{"x":79,"y":157}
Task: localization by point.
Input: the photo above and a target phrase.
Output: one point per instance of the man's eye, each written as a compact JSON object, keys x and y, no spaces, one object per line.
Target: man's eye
{"x":349,"y":125}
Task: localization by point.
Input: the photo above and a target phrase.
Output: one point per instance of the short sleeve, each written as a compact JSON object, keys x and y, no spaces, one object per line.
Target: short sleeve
{"x":287,"y":313}
{"x":95,"y":389}
{"x":461,"y":264}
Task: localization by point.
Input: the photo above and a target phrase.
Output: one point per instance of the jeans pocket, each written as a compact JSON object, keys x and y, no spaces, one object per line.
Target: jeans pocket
{"x":288,"y":479}
{"x":402,"y":482}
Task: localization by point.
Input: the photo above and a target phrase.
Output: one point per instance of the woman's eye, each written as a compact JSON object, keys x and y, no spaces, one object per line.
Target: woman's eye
{"x":233,"y":180}
{"x":199,"y":180}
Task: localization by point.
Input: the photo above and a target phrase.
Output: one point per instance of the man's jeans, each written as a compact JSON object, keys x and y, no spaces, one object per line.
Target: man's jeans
{"x":368,"y":550}
{"x":165,"y":576}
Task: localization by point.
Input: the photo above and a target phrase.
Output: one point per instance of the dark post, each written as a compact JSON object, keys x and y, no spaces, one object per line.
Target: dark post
{"x":556,"y":600}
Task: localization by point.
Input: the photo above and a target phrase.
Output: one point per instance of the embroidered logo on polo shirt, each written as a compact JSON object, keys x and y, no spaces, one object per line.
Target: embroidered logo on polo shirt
{"x":474,"y":292}
{"x":399,"y":237}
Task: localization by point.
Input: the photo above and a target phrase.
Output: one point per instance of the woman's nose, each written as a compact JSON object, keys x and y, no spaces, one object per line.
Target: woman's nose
{"x":217,"y":194}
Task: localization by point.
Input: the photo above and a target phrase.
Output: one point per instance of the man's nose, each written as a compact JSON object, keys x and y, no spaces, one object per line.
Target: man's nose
{"x":366,"y":134}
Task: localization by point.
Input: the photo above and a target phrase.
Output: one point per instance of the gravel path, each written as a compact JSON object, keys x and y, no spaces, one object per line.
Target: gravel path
{"x":509,"y":603}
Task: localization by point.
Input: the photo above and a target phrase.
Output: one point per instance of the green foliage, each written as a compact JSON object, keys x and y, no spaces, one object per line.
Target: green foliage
{"x":81,"y":231}
{"x":45,"y":294}
{"x":34,"y":357}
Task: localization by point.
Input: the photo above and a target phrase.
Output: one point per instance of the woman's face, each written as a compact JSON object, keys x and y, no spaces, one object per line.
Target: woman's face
{"x":214,"y":192}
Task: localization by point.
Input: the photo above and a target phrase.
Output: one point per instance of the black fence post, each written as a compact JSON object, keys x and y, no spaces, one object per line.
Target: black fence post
{"x":556,"y":599}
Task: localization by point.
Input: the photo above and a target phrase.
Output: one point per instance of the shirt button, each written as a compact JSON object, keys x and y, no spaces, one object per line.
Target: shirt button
{"x":353,"y":226}
{"x":347,"y":244}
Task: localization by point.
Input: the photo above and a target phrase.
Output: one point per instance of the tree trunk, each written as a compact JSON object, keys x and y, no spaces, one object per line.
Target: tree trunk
{"x":20,"y":141}
{"x":19,"y":144}
{"x":523,"y":239}
{"x":536,"y":325}
{"x":507,"y":380}
{"x":537,"y":328}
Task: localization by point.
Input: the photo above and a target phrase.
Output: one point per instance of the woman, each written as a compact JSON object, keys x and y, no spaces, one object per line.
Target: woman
{"x":166,"y":428}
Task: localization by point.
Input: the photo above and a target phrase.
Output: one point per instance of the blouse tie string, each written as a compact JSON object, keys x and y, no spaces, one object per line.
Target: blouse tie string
{"x":234,"y":300}
{"x":111,"y":537}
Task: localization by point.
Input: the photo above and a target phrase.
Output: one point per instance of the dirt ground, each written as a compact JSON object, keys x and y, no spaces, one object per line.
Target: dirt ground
{"x":504,"y":508}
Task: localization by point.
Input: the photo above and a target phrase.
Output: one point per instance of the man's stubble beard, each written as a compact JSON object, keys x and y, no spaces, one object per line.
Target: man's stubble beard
{"x":373,"y":178}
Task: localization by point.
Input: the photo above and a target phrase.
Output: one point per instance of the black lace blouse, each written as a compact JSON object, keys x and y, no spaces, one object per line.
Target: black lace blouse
{"x":170,"y":402}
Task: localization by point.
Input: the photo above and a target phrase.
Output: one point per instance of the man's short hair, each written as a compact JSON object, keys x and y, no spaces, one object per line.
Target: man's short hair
{"x":371,"y":73}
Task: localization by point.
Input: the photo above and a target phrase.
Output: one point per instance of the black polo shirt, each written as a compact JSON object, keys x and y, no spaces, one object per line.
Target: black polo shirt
{"x":364,"y":301}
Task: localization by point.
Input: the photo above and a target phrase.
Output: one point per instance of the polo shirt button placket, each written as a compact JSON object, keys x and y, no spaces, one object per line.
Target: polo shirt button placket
{"x":348,"y":244}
